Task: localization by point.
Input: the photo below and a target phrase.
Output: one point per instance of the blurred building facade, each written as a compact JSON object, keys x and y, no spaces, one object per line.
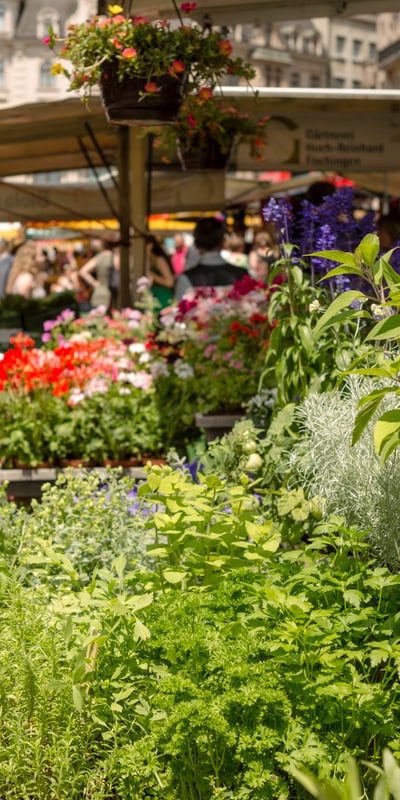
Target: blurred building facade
{"x":360,"y":52}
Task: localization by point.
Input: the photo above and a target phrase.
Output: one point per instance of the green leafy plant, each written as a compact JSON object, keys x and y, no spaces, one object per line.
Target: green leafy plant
{"x":298,"y":361}
{"x":377,"y":308}
{"x":142,"y":48}
{"x":387,"y":784}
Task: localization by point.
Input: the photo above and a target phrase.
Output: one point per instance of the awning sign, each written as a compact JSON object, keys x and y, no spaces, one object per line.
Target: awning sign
{"x":331,"y":142}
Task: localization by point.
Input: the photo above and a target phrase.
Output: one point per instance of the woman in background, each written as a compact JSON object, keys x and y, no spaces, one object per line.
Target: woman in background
{"x":161,"y":273}
{"x":27,"y":276}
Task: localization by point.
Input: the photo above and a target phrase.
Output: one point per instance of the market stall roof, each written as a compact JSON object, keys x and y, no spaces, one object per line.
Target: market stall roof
{"x":354,"y":132}
{"x":227,"y":12}
{"x":171,"y":194}
{"x":56,"y":135}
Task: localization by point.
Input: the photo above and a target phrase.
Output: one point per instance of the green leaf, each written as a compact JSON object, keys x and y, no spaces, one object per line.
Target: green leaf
{"x":340,"y":302}
{"x":119,"y":565}
{"x":368,"y":249}
{"x":388,"y":328}
{"x":392,"y":773}
{"x":140,"y":631}
{"x":337,"y":255}
{"x":387,"y":426}
{"x":342,"y":271}
{"x":369,"y":406}
{"x":174,"y":576}
{"x":77,"y":698}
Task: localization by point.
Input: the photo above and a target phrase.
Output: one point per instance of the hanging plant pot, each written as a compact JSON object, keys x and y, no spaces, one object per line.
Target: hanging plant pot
{"x":126,"y":103}
{"x":208,"y":155}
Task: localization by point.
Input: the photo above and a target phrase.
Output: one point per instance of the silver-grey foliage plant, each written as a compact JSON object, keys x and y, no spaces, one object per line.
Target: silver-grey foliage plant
{"x":348,"y":480}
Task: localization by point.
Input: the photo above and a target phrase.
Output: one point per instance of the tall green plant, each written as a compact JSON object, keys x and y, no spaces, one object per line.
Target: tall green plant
{"x":377,"y":307}
{"x":296,"y":361}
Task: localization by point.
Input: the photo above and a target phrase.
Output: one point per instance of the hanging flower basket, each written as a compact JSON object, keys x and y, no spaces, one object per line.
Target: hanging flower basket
{"x":207,"y":132}
{"x":160,"y":59}
{"x":209,"y":155}
{"x":126,"y":101}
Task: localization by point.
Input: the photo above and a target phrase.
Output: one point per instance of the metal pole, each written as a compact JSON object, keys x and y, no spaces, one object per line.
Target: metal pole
{"x":137,"y":160}
{"x":124,"y":295}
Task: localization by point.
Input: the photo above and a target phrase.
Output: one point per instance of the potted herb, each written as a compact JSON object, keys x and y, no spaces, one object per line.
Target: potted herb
{"x":155,"y":62}
{"x":208,"y":130}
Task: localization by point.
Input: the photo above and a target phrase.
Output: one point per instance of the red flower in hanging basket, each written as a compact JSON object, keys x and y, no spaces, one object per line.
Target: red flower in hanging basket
{"x":152,"y":49}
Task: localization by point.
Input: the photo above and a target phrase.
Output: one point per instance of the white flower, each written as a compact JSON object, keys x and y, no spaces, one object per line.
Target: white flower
{"x":124,"y":390}
{"x":314,"y":306}
{"x":144,"y":358}
{"x":137,"y":347}
{"x":183,"y":370}
{"x":75,"y":397}
{"x":159,"y":368}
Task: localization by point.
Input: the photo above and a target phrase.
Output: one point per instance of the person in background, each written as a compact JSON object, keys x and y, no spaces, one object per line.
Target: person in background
{"x":388,"y":232}
{"x":233,"y":251}
{"x":211,"y":269}
{"x":179,"y":254}
{"x":26,"y":274}
{"x":6,"y":260}
{"x":97,"y":271}
{"x":262,"y":256}
{"x":160,"y":272}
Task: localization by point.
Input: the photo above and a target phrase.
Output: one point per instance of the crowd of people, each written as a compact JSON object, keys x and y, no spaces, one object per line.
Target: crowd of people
{"x":210,"y":257}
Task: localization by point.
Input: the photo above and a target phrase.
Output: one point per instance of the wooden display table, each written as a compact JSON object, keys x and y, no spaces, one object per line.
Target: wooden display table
{"x":27,"y":483}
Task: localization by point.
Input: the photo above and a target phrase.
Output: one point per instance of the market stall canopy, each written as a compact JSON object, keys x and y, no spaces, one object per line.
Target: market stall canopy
{"x":310,"y":129}
{"x":352,"y":132}
{"x":228,"y":12}
{"x":171,"y":194}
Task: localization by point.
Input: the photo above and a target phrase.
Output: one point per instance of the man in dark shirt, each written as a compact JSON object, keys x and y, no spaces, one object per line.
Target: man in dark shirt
{"x":211,"y":269}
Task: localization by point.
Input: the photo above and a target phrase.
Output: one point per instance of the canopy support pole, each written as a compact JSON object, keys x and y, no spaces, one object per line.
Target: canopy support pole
{"x":137,"y":158}
{"x":124,"y":295}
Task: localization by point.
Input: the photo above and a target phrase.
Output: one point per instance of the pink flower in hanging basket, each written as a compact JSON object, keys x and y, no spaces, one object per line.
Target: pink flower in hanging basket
{"x":129,"y":52}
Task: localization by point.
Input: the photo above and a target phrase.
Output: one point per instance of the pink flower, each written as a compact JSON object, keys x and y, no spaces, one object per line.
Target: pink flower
{"x":140,"y":20}
{"x":225,"y":47}
{"x":151,"y":87}
{"x":116,"y":43}
{"x":191,"y":121}
{"x":46,"y":40}
{"x":188,"y":7}
{"x":129,"y":52}
{"x":177,"y":67}
{"x":206,"y":93}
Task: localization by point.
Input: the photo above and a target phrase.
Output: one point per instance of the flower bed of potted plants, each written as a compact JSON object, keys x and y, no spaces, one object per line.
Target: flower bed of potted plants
{"x":91,"y":401}
{"x":157,"y":60}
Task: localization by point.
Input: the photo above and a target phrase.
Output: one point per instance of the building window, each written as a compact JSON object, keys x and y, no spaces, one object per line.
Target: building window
{"x":295,"y":79}
{"x":372,"y":51}
{"x":273,"y":76}
{"x":340,"y":45}
{"x":2,"y":18}
{"x":46,"y":79}
{"x":315,"y":81}
{"x":47,"y":18}
{"x":338,"y":83}
{"x":356,"y":84}
{"x":2,"y":82}
{"x":357,"y":45}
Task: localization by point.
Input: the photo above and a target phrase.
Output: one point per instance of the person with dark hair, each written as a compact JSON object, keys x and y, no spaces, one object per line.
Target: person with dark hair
{"x":161,"y":273}
{"x":211,"y":269}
